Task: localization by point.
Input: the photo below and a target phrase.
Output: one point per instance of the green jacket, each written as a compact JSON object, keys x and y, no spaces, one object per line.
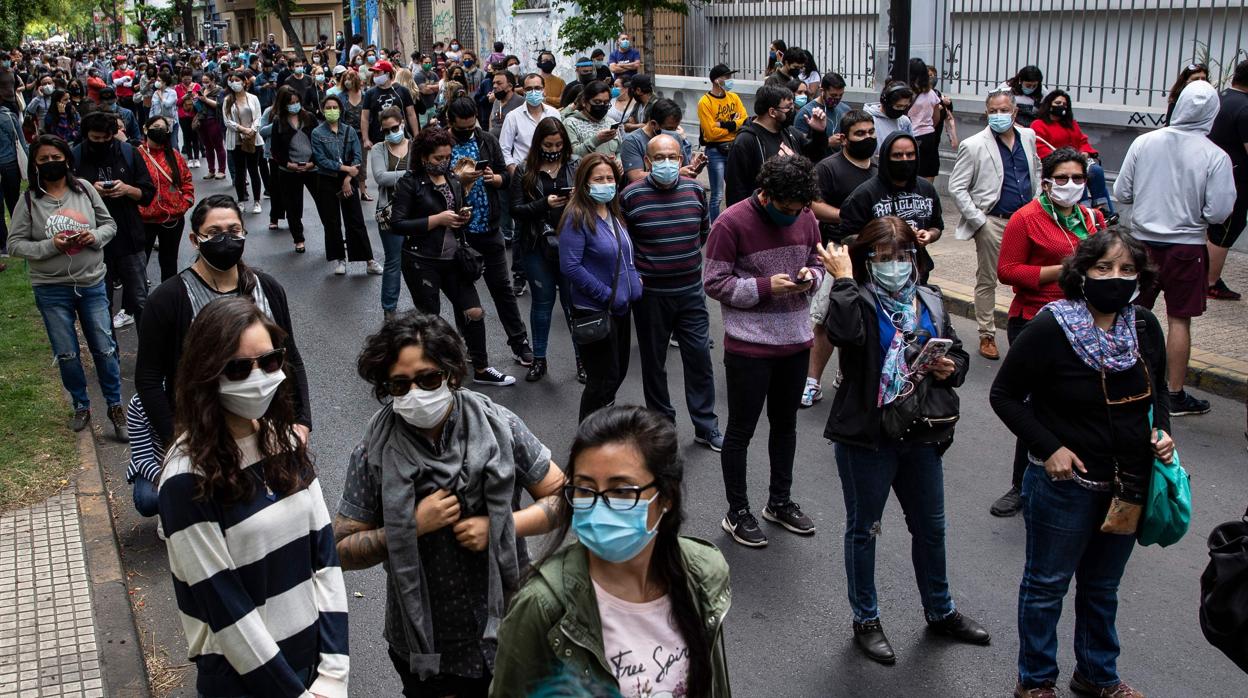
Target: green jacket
{"x":553,"y":624}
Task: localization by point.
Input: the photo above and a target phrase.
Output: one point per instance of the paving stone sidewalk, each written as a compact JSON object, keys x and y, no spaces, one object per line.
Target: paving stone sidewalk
{"x":47,"y":633}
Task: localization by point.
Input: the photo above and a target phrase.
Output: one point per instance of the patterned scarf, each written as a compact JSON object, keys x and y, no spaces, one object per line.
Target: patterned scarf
{"x":1114,"y":351}
{"x":900,"y":309}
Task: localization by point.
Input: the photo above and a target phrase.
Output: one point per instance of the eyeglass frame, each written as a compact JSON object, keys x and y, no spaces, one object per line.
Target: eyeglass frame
{"x":252,"y":363}
{"x":568,"y":489}
{"x":1148,"y":386}
{"x":396,"y":382}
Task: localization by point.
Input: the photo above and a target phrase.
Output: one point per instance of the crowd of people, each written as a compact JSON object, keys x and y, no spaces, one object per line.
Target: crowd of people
{"x":587,"y":192}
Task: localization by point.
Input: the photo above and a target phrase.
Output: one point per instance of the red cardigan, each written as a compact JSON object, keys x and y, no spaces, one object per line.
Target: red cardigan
{"x":170,"y":202}
{"x":1051,"y":135}
{"x":1032,"y":239}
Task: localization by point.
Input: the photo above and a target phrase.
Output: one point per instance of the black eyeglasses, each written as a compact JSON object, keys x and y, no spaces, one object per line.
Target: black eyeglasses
{"x":1063,"y":179}
{"x":616,"y":498}
{"x":1148,"y":387}
{"x":425,"y":380}
{"x":238,"y":369}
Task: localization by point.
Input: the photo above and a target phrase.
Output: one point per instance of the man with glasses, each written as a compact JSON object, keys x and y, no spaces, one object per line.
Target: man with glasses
{"x":519,"y":125}
{"x":668,"y":221}
{"x":663,"y":117}
{"x":766,"y":136}
{"x":997,"y":171}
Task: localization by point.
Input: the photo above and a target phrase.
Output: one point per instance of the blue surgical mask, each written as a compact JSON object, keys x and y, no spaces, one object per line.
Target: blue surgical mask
{"x":534,"y":98}
{"x":779,"y":217}
{"x":1000,"y":123}
{"x":800,"y":101}
{"x":615,"y":93}
{"x":625,"y":43}
{"x":665,"y":172}
{"x":614,"y":536}
{"x":1029,"y":90}
{"x":394,"y":138}
{"x":294,"y":108}
{"x":602,"y":193}
{"x":729,"y":85}
{"x":892,"y":276}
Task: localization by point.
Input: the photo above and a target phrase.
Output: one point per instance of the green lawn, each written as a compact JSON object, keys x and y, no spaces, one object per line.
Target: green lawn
{"x":37,"y":449}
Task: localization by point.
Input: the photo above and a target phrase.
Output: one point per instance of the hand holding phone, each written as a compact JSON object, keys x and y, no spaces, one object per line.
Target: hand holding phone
{"x":935,"y":349}
{"x":482,"y":164}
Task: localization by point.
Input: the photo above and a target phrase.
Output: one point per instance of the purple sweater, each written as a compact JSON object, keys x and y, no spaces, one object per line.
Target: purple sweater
{"x":744,"y":251}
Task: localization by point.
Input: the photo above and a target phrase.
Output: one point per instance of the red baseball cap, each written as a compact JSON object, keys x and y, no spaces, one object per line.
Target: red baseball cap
{"x":383,"y":67}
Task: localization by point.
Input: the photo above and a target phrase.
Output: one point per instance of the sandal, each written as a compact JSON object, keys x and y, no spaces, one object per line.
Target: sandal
{"x":366,"y":197}
{"x":300,"y":249}
{"x":272,"y":226}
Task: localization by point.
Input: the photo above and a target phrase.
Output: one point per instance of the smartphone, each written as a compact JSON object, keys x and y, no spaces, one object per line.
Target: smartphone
{"x":464,"y":212}
{"x":108,"y":183}
{"x":701,"y":166}
{"x":482,"y":164}
{"x":933,"y":351}
{"x":563,"y":191}
{"x":616,"y":125}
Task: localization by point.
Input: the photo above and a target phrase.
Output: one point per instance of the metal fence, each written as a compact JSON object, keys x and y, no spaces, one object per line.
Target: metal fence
{"x":1123,"y":52}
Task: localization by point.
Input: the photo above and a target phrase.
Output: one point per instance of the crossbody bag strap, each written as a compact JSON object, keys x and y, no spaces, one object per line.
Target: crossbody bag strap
{"x":619,"y":256}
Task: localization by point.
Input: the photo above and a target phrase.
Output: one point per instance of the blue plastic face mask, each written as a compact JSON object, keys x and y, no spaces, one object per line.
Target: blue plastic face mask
{"x":665,"y":172}
{"x":729,"y":85}
{"x":800,"y":101}
{"x":602,"y":193}
{"x":534,"y":98}
{"x":892,"y":276}
{"x":615,"y":536}
{"x":615,"y":93}
{"x":1000,"y":123}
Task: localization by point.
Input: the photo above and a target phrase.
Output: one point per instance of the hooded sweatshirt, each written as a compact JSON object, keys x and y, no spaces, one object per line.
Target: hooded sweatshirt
{"x":916,"y":202}
{"x":1179,"y":181}
{"x":753,"y":145}
{"x":37,"y":218}
{"x":885,"y":125}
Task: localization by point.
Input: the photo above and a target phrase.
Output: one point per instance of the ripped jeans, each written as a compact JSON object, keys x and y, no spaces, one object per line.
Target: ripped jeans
{"x":915,"y":473}
{"x":60,"y":304}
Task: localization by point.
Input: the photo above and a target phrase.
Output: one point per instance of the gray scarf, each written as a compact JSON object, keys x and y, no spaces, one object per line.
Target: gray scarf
{"x":478,"y":466}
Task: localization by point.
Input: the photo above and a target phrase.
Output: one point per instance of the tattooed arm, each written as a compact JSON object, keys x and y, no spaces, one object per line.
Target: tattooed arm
{"x":542,"y":515}
{"x":360,"y":545}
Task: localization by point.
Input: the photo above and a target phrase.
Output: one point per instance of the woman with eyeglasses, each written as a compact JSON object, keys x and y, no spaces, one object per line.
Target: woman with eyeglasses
{"x":257,"y":580}
{"x":1055,"y":128}
{"x":432,"y":491}
{"x":588,"y":126}
{"x":1083,"y":387}
{"x":1038,"y":237}
{"x":1190,"y":73}
{"x":390,"y":161}
{"x":630,"y":604}
{"x":892,"y":419}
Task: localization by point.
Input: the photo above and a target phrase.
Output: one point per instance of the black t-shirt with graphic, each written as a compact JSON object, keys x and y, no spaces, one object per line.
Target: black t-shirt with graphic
{"x":378,"y":98}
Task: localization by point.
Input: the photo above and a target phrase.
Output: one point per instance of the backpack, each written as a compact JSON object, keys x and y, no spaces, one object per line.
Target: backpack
{"x":1224,"y":591}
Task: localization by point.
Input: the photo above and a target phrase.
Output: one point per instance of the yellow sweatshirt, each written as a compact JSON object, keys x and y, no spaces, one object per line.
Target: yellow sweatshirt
{"x":712,"y":110}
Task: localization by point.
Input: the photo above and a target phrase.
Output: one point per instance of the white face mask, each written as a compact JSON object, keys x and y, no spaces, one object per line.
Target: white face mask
{"x":1067,"y":194}
{"x":250,"y":397}
{"x":423,"y":409}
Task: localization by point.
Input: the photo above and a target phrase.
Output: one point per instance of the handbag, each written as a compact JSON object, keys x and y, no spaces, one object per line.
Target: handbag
{"x":1168,"y":507}
{"x":18,"y":145}
{"x":1224,"y":591}
{"x":467,"y":260}
{"x":596,"y":326}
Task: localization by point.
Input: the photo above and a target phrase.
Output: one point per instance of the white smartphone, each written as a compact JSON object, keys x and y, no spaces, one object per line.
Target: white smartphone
{"x":933,"y":351}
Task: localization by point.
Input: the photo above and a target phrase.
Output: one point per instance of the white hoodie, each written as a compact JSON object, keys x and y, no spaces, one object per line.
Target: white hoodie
{"x":1179,"y":181}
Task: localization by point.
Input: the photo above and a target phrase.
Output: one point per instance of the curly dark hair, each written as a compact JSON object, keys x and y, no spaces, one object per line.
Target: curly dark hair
{"x":789,"y":178}
{"x":1092,"y":249}
{"x":1064,"y":154}
{"x":1043,"y":109}
{"x":428,"y":140}
{"x":200,"y":420}
{"x":439,"y":341}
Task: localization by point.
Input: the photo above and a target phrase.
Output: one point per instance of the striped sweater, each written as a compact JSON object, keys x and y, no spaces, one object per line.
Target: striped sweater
{"x":258,"y":585}
{"x":668,"y":227}
{"x":146,"y":451}
{"x":744,"y":251}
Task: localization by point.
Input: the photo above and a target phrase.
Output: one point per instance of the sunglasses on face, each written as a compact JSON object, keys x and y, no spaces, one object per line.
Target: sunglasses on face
{"x":398,"y":386}
{"x":1063,"y":179}
{"x":238,"y":369}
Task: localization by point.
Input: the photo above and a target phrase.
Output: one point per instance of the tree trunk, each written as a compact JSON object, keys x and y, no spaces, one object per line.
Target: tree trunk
{"x":117,"y":26}
{"x":647,"y":40}
{"x":188,"y":21}
{"x":392,"y":15}
{"x":283,"y":14}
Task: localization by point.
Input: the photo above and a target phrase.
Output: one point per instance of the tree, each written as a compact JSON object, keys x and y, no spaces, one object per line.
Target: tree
{"x":283,"y":8}
{"x":586,"y":23}
{"x":183,"y":9}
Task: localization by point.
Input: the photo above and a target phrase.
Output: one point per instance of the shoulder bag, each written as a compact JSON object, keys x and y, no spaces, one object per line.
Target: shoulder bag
{"x":467,"y":260}
{"x":1224,"y":591}
{"x":596,"y":326}
{"x":18,"y":145}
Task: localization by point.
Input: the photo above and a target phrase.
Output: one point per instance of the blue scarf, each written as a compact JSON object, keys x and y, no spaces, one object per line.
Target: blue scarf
{"x":1113,"y":351}
{"x":900,"y":308}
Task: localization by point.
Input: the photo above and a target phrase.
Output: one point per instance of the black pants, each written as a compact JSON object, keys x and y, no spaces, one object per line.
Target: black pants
{"x":273,"y":185}
{"x":778,"y":383}
{"x":426,"y":279}
{"x":606,"y":363}
{"x":245,"y":162}
{"x":1012,"y":330}
{"x":169,"y":235}
{"x":497,"y":277}
{"x":11,"y":184}
{"x":130,"y":270}
{"x":438,"y":686}
{"x":263,"y":165}
{"x":191,"y":147}
{"x":291,"y":194}
{"x":658,"y":318}
{"x":336,"y":211}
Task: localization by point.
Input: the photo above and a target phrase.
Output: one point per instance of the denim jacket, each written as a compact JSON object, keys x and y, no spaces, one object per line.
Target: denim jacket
{"x":332,"y":150}
{"x":10,"y":133}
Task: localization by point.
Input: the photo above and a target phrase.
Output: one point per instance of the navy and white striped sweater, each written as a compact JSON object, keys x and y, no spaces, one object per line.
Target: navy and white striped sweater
{"x":258,"y":585}
{"x":146,"y":451}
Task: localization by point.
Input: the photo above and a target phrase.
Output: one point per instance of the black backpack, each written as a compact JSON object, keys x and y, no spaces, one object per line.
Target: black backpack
{"x":1224,"y":591}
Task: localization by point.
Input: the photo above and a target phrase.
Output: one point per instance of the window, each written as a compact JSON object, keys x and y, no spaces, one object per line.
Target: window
{"x":310,"y":27}
{"x":536,"y":5}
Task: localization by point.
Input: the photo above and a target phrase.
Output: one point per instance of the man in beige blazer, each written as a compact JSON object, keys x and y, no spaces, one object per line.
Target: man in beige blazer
{"x":996,"y":173}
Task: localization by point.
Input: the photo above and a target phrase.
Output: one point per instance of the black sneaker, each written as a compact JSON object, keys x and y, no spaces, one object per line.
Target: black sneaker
{"x":1182,"y":403}
{"x":1008,"y":504}
{"x":581,"y":376}
{"x":791,"y":517}
{"x":523,"y":355}
{"x":518,"y":285}
{"x":744,"y":529}
{"x":1220,"y":292}
{"x":536,"y":371}
{"x":492,"y":376}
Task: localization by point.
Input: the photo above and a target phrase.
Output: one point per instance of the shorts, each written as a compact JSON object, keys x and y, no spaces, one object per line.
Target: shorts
{"x":1182,"y":275}
{"x":820,"y":301}
{"x":929,"y":154}
{"x":1225,"y":234}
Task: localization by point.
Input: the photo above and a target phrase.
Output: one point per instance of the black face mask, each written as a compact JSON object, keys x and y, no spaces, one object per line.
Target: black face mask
{"x":599,"y":110}
{"x":861,"y":150}
{"x":223,"y":251}
{"x":893,"y":112}
{"x":1109,"y":295}
{"x":500,"y":95}
{"x":585,"y":79}
{"x":53,"y":170}
{"x":159,"y":136}
{"x":902,"y":170}
{"x":546,"y":66}
{"x":551,"y":155}
{"x":98,"y":151}
{"x":1059,"y":112}
{"x":463,"y":135}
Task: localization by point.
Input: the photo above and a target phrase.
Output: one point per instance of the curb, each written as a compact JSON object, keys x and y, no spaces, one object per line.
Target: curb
{"x":1206,"y":376}
{"x":121,"y":656}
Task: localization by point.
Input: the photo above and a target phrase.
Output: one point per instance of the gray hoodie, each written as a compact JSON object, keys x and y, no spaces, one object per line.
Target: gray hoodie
{"x":36,"y":219}
{"x":1178,"y":180}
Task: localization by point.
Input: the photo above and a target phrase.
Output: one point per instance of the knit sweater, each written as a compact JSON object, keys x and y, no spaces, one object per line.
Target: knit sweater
{"x":744,"y":251}
{"x":668,"y":227}
{"x":1051,"y":135}
{"x":1032,"y":239}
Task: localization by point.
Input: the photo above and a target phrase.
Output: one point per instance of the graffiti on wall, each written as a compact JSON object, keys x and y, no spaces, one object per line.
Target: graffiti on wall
{"x":443,"y":25}
{"x":1140,"y":118}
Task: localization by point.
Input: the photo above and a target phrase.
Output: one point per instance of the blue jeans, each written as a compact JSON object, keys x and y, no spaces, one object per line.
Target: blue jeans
{"x":146,"y":499}
{"x":544,"y":280}
{"x":715,"y":162}
{"x":915,"y":474}
{"x":59,"y":305}
{"x":392,"y":270}
{"x":1097,"y":191}
{"x":1064,"y":540}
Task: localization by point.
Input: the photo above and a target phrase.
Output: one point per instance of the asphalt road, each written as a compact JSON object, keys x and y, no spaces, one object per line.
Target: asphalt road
{"x":788,"y":633}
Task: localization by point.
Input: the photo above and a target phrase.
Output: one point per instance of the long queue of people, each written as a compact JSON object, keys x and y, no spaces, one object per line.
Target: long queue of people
{"x":805,"y":259}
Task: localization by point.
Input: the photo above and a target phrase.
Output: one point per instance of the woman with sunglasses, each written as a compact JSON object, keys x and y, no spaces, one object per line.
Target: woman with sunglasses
{"x":630,"y":585}
{"x":390,"y":161}
{"x":218,"y":235}
{"x":1038,"y":237}
{"x":457,"y":460}
{"x":892,"y":419}
{"x":244,"y":519}
{"x":1083,"y":387}
{"x":1055,"y":127}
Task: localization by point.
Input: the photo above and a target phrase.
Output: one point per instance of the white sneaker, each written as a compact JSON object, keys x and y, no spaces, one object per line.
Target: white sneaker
{"x":340,"y":268}
{"x":255,"y":208}
{"x":374,"y":267}
{"x":121,"y":319}
{"x":811,"y":394}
